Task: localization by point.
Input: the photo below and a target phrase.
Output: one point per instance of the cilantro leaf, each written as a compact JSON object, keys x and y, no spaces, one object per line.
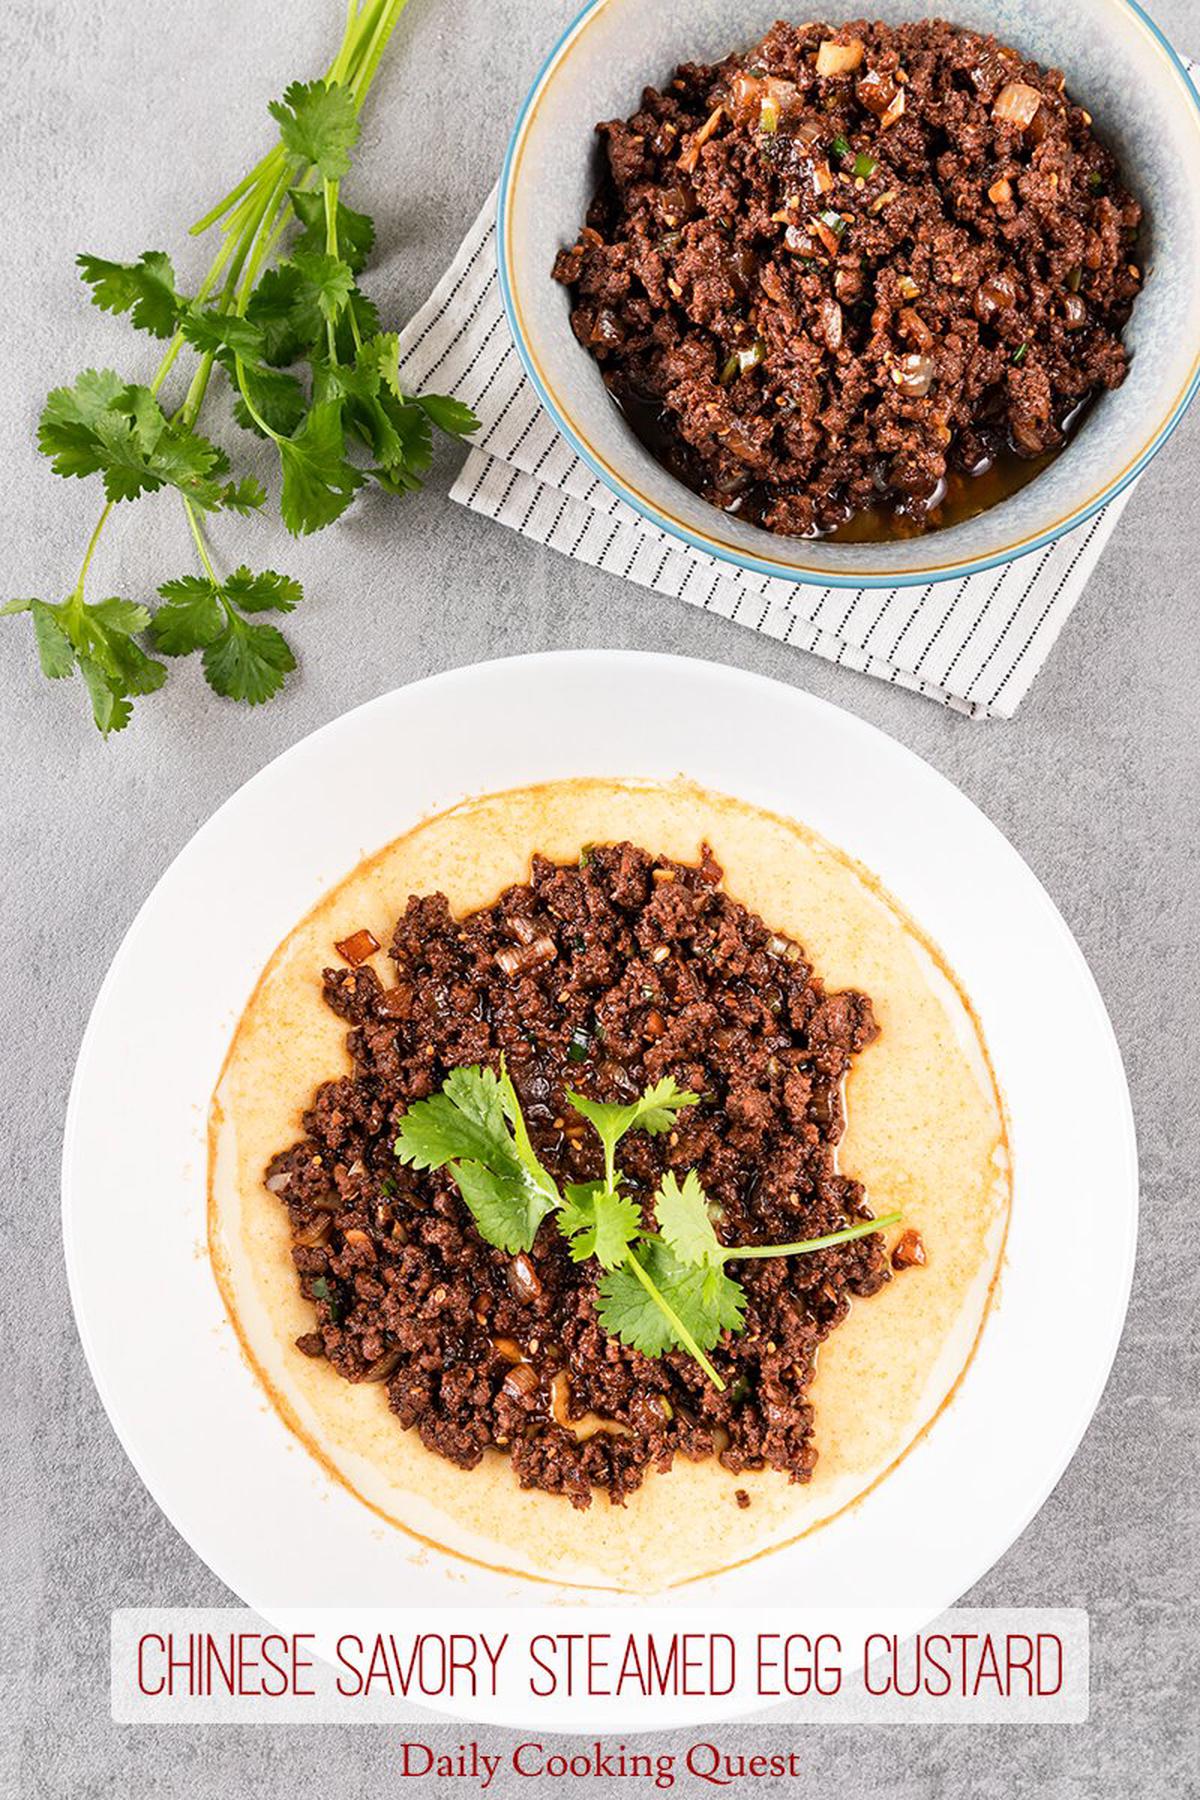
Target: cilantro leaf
{"x":271,"y":307}
{"x":210,"y":329}
{"x":448,"y":414}
{"x":247,"y":662}
{"x":683,"y":1221}
{"x":507,"y":1211}
{"x":355,"y":230}
{"x":56,"y":653}
{"x":654,"y":1112}
{"x":318,"y":482}
{"x":381,"y":354}
{"x":144,"y":289}
{"x":598,"y":1223}
{"x":191,"y":617}
{"x":317,"y":121}
{"x":266,"y":592}
{"x":110,"y":708}
{"x":98,"y":640}
{"x":276,"y":397}
{"x":662,"y":1303}
{"x":325,"y":285}
{"x":244,"y":496}
{"x":466,"y":1128}
{"x":241,"y":660}
{"x":118,"y":430}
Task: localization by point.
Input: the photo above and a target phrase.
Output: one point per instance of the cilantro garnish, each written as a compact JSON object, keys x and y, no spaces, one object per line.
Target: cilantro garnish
{"x":309,"y":368}
{"x":660,"y":1290}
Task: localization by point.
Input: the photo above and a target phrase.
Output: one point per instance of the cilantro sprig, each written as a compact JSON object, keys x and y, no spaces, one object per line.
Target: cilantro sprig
{"x":659,"y":1289}
{"x":310,"y":368}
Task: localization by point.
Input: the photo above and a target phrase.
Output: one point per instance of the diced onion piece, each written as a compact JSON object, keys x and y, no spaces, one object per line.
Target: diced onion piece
{"x":909,"y":1251}
{"x":876,"y":91}
{"x":524,"y":1280}
{"x":521,"y":1381}
{"x":914,"y":329}
{"x":822,"y":177}
{"x":1017,"y":104}
{"x":386,"y":1365}
{"x":586,"y":1427}
{"x":893,"y":112}
{"x":907,"y":288}
{"x":914,"y":374}
{"x":357,"y":947}
{"x":831,"y":324}
{"x":828,"y":236}
{"x":1000,"y":193}
{"x":514,"y":961}
{"x":691,"y":156}
{"x":311,"y":1235}
{"x":839,"y":59}
{"x":768,"y":117}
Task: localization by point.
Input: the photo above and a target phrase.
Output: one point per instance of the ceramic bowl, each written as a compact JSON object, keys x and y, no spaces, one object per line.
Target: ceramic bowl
{"x":1117,"y":64}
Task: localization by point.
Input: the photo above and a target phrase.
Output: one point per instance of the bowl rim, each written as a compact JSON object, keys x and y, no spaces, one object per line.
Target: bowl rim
{"x":648,"y":509}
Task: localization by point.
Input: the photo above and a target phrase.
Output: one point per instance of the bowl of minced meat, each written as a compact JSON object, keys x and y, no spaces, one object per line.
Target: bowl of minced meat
{"x":867,"y":301}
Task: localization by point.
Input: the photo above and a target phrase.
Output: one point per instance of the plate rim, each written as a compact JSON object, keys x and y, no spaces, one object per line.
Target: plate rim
{"x":1048,"y":1474}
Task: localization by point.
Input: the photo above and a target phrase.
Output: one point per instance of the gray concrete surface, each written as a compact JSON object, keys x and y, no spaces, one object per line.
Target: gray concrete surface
{"x":124,"y":119}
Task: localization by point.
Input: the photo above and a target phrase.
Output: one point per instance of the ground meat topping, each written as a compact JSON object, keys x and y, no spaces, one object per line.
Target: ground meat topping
{"x":857,"y":282}
{"x":651,"y":970}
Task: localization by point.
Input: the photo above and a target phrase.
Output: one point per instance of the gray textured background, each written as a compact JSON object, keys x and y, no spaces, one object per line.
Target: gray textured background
{"x":124,"y":120}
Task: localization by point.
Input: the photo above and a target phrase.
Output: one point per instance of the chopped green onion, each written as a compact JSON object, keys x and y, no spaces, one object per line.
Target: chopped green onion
{"x":835,"y":222}
{"x":325,"y":1290}
{"x":1095,"y":181}
{"x":864,"y":166}
{"x":579,"y":1044}
{"x":1020,"y":355}
{"x":841,"y":146}
{"x":768,"y":117}
{"x":742,"y":361}
{"x":387,"y":1186}
{"x":1075,"y":280}
{"x":585,"y":855}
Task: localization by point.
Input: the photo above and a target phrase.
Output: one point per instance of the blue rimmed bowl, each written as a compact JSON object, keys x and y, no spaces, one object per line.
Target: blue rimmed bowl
{"x":1117,"y":63}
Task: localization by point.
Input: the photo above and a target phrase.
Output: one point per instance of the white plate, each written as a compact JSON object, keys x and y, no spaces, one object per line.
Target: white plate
{"x":190,"y":1413}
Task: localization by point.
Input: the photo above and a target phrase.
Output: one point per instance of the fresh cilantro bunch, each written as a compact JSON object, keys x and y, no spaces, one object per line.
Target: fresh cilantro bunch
{"x":310,"y":367}
{"x":663,"y":1289}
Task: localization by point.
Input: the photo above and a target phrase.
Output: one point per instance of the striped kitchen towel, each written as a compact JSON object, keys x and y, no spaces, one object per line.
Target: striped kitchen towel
{"x":973,"y":645}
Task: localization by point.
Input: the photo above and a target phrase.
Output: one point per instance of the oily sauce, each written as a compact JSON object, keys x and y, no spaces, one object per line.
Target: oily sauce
{"x":965,"y":495}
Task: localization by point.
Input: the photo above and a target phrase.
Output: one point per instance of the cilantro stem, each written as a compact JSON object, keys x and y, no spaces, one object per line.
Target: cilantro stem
{"x":331,"y":249}
{"x":201,"y":546}
{"x":755,"y":1251}
{"x":685,"y":1337}
{"x":378,"y":43}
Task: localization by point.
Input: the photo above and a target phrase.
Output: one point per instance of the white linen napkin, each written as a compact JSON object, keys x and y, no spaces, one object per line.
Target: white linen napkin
{"x":974,"y":645}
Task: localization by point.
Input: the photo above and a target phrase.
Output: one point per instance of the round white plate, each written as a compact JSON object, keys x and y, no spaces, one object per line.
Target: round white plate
{"x":189,"y":1411}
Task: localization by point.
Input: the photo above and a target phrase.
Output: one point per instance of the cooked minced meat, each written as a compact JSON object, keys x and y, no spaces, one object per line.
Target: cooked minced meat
{"x":602,"y":977}
{"x":843,"y":272}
